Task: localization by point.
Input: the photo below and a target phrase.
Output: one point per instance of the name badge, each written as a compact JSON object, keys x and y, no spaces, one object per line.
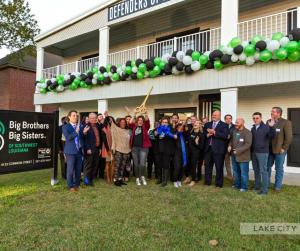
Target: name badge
{"x":277,"y":129}
{"x":241,"y":140}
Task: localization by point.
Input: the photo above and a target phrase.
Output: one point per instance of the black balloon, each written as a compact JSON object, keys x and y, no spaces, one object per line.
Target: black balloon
{"x":173,"y":61}
{"x":113,"y":69}
{"x":53,"y":85}
{"x":99,"y":82}
{"x":152,"y":59}
{"x":179,"y":66}
{"x":123,"y":77}
{"x":295,"y":34}
{"x":107,"y":80}
{"x":67,"y":82}
{"x":189,"y":52}
{"x":128,"y":63}
{"x":48,"y":83}
{"x":102,"y":69}
{"x":216,"y":54}
{"x":36,"y":82}
{"x":133,"y":75}
{"x":174,"y":54}
{"x":83,"y":77}
{"x":90,"y":74}
{"x":238,"y":49}
{"x":209,"y":65}
{"x":168,"y":69}
{"x":88,"y":81}
{"x":150,"y":65}
{"x":138,"y":62}
{"x":225,"y":59}
{"x":72,"y":77}
{"x":261,"y":45}
{"x":188,"y":69}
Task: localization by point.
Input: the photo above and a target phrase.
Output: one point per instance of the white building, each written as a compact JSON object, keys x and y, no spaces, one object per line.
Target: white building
{"x":106,"y":35}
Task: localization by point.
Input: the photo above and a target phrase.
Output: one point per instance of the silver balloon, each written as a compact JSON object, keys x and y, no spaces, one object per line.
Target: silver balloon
{"x":234,"y":58}
{"x":195,"y":66}
{"x":187,"y":60}
{"x":242,"y":57}
{"x":180,"y":55}
{"x":250,"y":61}
{"x":273,"y":45}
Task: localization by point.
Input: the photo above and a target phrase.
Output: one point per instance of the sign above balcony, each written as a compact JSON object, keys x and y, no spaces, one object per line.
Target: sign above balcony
{"x":128,"y":7}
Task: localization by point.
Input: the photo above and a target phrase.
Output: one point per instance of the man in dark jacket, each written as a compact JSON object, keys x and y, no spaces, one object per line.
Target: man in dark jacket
{"x":216,"y":134}
{"x":280,"y":144}
{"x":231,"y":127}
{"x":62,"y":142}
{"x":262,"y":134}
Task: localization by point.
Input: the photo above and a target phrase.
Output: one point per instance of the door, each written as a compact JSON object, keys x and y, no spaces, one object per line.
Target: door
{"x":183,"y":113}
{"x":208,"y":104}
{"x":294,"y":151}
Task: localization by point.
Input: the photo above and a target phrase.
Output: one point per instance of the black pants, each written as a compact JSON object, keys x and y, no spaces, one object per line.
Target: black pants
{"x":63,"y":165}
{"x":90,"y":165}
{"x":99,"y":170}
{"x":178,"y":169}
{"x":150,"y":162}
{"x":212,"y":159}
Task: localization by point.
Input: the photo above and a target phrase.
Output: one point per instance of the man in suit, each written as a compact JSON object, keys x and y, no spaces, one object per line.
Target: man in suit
{"x":62,"y":142}
{"x":72,"y":150}
{"x":279,"y":146}
{"x":99,"y":171}
{"x":216,"y":133}
{"x":231,"y":127}
{"x":91,"y":148}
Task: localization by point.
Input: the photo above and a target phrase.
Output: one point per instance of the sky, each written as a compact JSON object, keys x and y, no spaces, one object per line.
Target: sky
{"x":50,"y":13}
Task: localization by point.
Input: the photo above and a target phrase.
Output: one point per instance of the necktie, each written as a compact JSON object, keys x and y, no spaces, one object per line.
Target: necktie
{"x":213,"y":127}
{"x":76,"y":139}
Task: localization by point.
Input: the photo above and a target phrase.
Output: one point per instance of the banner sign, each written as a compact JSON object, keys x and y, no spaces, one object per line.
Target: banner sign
{"x":26,"y":141}
{"x":128,"y":7}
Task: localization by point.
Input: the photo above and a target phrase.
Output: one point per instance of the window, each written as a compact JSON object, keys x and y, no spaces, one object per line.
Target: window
{"x":291,"y":19}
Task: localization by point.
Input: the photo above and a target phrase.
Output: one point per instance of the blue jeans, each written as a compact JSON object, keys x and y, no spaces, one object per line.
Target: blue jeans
{"x":139,"y":156}
{"x":279,"y":161}
{"x":261,"y":175}
{"x":240,"y":173}
{"x":74,"y":163}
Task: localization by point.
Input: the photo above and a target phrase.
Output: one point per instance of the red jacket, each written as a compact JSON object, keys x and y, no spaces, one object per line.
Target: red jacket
{"x":145,"y":127}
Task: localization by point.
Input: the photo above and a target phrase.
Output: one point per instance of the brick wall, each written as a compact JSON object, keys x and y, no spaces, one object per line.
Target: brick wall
{"x":17,"y":89}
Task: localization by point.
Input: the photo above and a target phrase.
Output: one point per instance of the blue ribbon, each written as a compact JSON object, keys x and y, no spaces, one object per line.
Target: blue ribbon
{"x":183,"y":150}
{"x":165,"y":130}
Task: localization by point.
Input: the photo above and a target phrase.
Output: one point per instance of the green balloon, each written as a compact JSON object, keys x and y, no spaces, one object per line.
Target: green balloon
{"x":196,"y":55}
{"x":277,"y":36}
{"x":116,"y":76}
{"x":128,"y":70}
{"x":218,"y":65}
{"x":100,"y":77}
{"x":60,"y":81}
{"x":108,"y":67}
{"x":140,"y":75}
{"x":43,"y":90}
{"x":42,"y":80}
{"x":157,"y":61}
{"x":281,"y":54}
{"x":249,"y":50}
{"x":142,"y":67}
{"x":133,"y":63}
{"x":235,"y":42}
{"x":291,"y":46}
{"x":265,"y":56}
{"x":156,"y":69}
{"x":82,"y":84}
{"x":152,"y":74}
{"x":73,"y":86}
{"x":256,"y":38}
{"x":299,"y":46}
{"x":162,"y":65}
{"x":294,"y":56}
{"x":95,"y":69}
{"x":76,"y":81}
{"x":203,"y":59}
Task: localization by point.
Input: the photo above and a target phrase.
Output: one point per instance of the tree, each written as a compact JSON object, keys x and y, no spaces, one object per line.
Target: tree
{"x":17,"y":27}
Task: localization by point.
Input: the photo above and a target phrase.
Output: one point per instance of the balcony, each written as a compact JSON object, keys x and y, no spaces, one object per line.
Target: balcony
{"x":202,"y":41}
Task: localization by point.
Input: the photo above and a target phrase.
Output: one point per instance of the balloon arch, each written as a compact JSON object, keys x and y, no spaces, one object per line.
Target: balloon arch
{"x":280,"y":47}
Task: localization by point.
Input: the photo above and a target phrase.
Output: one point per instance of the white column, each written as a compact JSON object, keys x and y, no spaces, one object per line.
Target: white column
{"x":229,"y":20}
{"x":38,"y":108}
{"x":39,"y":62}
{"x":103,"y":45}
{"x":298,"y":17}
{"x":102,"y":106}
{"x":229,"y":102}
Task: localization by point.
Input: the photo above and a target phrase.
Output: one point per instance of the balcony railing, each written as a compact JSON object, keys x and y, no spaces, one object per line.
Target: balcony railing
{"x":202,"y":41}
{"x":268,"y":25}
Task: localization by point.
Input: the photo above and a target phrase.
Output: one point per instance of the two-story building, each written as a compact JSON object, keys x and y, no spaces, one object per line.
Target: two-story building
{"x":117,"y":31}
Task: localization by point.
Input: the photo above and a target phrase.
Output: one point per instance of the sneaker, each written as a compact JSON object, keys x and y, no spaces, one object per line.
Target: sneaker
{"x":243,"y":190}
{"x":144,"y":182}
{"x":179,"y":184}
{"x":138,"y":183}
{"x":176,"y":184}
{"x":193,"y":183}
{"x":187,"y":180}
{"x":117,"y":183}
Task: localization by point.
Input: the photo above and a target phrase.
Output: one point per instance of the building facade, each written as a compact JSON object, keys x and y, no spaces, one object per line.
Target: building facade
{"x":118,"y":31}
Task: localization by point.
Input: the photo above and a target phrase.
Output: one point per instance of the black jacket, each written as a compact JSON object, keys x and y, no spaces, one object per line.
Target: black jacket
{"x":165,"y":144}
{"x":193,"y":147}
{"x":261,"y":138}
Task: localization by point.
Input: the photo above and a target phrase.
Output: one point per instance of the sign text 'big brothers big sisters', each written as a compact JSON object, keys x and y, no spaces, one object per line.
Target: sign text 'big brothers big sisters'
{"x":128,"y":7}
{"x":26,"y":141}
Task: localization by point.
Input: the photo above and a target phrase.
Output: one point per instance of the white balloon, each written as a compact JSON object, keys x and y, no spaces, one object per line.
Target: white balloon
{"x":146,"y":74}
{"x":105,"y":74}
{"x":195,"y":66}
{"x":206,"y":53}
{"x":180,"y":55}
{"x":53,"y":80}
{"x":119,"y":70}
{"x":250,"y":61}
{"x":110,"y":74}
{"x":94,"y":81}
{"x":166,"y":57}
{"x":242,"y":57}
{"x":256,"y":56}
{"x":273,"y":45}
{"x":175,"y":71}
{"x":187,"y":60}
{"x":95,"y":76}
{"x":283,"y":41}
{"x":245,"y":43}
{"x":67,"y":77}
{"x":123,"y":67}
{"x":44,"y":85}
{"x":234,"y":58}
{"x":134,"y":69}
{"x":229,"y":50}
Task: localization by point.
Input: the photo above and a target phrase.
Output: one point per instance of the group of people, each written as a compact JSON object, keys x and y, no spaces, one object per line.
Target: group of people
{"x":176,"y":149}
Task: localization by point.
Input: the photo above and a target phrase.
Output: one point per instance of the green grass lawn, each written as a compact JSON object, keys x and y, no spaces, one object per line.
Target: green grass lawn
{"x":36,"y":216}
